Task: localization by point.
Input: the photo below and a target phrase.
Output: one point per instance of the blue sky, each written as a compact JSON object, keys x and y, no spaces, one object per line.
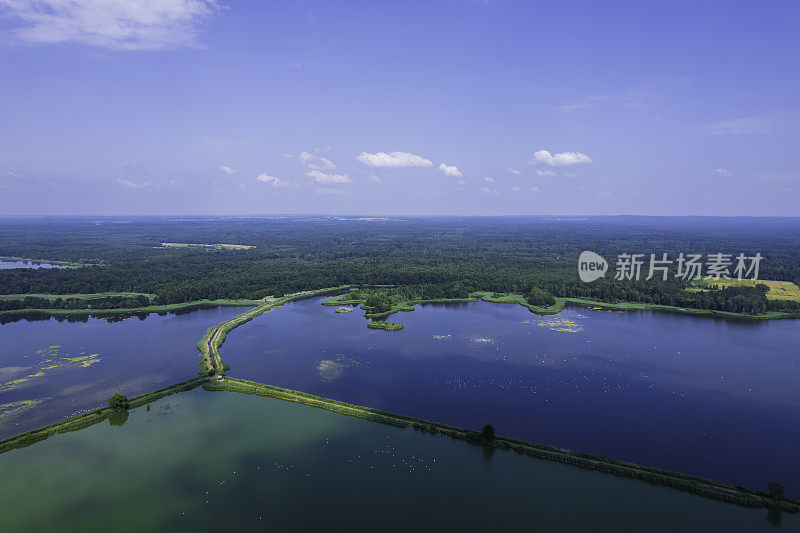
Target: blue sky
{"x":431,"y":107}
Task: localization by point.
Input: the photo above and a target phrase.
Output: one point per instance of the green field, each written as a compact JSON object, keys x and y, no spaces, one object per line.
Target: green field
{"x":778,"y":290}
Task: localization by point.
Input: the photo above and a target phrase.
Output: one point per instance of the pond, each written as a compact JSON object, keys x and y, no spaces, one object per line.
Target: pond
{"x":713,"y":398}
{"x":204,"y":461}
{"x":51,"y":369}
{"x":26,"y":264}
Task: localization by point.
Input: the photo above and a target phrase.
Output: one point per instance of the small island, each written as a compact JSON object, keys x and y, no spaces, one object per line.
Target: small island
{"x":387,"y":326}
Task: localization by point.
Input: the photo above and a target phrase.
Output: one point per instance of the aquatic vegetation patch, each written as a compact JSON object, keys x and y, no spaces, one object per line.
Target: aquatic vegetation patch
{"x":84,"y":360}
{"x":52,"y":362}
{"x":386,"y":326}
{"x":344,"y":310}
{"x":330,"y":370}
{"x":443,"y":337}
{"x":10,"y":409}
{"x":560,"y":324}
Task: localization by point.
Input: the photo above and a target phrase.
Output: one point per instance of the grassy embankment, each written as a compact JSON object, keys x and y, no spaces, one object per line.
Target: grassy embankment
{"x":695,"y":485}
{"x":75,"y":423}
{"x":166,"y":308}
{"x":77,"y":296}
{"x":210,"y":359}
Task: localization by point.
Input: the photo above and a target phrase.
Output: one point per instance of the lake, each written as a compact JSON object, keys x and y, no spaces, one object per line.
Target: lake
{"x":715,"y":398}
{"x":51,"y":369}
{"x":26,"y":264}
{"x":216,"y":460}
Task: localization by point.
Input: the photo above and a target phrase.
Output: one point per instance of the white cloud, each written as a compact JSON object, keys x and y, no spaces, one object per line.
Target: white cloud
{"x":227,"y":170}
{"x":516,"y":189}
{"x":488,"y":180}
{"x":450,"y":170}
{"x":535,"y":189}
{"x":487,"y":190}
{"x":133,"y":185}
{"x":723,"y":172}
{"x":287,"y":156}
{"x":514,"y":172}
{"x":114,"y":24}
{"x":559,"y":159}
{"x":315,"y":162}
{"x":545,"y":173}
{"x":272,"y":180}
{"x":321,"y":177}
{"x":373,"y":178}
{"x":393,"y":160}
{"x":604,"y":194}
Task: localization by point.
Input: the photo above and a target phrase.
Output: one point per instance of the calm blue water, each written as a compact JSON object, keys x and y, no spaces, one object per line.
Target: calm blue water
{"x":203,"y":461}
{"x":714,"y":398}
{"x":51,"y":369}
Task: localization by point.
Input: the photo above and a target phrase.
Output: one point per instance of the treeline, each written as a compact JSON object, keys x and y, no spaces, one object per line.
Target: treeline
{"x":429,"y":258}
{"x":108,"y":302}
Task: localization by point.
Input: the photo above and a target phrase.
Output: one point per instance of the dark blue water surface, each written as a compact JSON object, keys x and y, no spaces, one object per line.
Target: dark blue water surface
{"x":715,"y":398}
{"x":51,"y":369}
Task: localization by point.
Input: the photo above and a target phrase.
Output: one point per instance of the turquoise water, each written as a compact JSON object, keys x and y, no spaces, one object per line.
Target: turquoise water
{"x":209,"y":460}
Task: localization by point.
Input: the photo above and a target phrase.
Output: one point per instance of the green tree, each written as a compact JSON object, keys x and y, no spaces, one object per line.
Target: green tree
{"x":118,"y":402}
{"x":487,"y":432}
{"x":540,"y":298}
{"x":775,"y":490}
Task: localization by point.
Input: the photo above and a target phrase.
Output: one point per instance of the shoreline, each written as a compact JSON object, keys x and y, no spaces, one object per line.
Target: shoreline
{"x":404,"y":306}
{"x":561,"y":303}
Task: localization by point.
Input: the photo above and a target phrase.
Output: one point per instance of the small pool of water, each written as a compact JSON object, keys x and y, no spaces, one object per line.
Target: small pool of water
{"x":53,"y":368}
{"x":26,"y":264}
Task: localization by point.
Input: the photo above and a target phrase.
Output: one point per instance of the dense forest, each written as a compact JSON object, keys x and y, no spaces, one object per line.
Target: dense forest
{"x":428,"y":257}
